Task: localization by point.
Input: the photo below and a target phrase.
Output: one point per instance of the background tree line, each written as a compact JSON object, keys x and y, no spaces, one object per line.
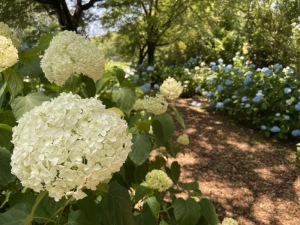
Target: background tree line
{"x":169,"y":31}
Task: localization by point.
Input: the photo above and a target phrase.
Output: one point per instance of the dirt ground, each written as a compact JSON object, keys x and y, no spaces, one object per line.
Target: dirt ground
{"x":249,"y":178}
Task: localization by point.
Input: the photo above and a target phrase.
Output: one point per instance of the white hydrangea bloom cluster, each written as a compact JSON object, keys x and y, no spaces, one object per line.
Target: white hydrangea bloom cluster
{"x":183,"y":139}
{"x":68,"y":144}
{"x":229,"y":221}
{"x":158,"y":180}
{"x":71,"y":54}
{"x":156,"y":105}
{"x":170,"y":88}
{"x":6,"y":32}
{"x":8,"y":53}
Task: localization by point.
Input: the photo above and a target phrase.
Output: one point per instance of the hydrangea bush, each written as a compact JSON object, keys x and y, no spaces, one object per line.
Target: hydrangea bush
{"x":75,"y":144}
{"x":269,"y":96}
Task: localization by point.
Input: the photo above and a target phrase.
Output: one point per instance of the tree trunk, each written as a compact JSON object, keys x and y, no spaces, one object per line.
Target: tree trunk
{"x":151,"y":46}
{"x":142,"y":55}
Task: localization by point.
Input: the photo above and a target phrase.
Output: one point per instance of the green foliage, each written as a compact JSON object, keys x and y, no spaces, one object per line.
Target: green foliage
{"x":5,"y":176}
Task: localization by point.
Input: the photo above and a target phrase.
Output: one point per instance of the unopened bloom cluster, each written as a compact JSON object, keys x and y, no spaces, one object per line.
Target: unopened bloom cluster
{"x":6,"y":32}
{"x":71,"y":54}
{"x":170,"y":88}
{"x":158,"y":180}
{"x":183,"y":139}
{"x":156,"y":105}
{"x":229,"y":221}
{"x":8,"y":53}
{"x":68,"y":144}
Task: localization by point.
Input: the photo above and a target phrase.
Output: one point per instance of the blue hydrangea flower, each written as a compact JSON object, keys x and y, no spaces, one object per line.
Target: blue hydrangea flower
{"x":266,"y":71}
{"x":297,"y":106}
{"x":146,"y":87}
{"x":286,"y":117}
{"x":247,"y":80}
{"x":244,"y":99}
{"x":220,"y":88}
{"x":156,"y":86}
{"x":144,"y":73}
{"x":227,"y":100}
{"x":249,"y":73}
{"x":247,"y":106}
{"x":214,"y":68}
{"x":229,"y":66}
{"x":210,"y":94}
{"x":263,"y":127}
{"x":296,"y":133}
{"x":197,"y":89}
{"x":136,"y":78}
{"x":228,"y":82}
{"x":220,"y":60}
{"x":252,"y":65}
{"x":150,"y":68}
{"x":277,"y":66}
{"x":219,"y":105}
{"x":277,"y":114}
{"x":257,"y":99}
{"x":275,"y":129}
{"x":287,"y":90}
{"x":212,"y":64}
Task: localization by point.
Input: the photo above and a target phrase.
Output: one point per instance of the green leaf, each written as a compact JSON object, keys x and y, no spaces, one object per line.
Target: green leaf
{"x":145,"y":218}
{"x":163,"y":128}
{"x":90,"y":87}
{"x":100,"y":84}
{"x":89,"y":213}
{"x":5,"y":169}
{"x":22,"y":104}
{"x":120,"y":74}
{"x":179,"y":117}
{"x":32,"y":69}
{"x":141,"y":191}
{"x":124,"y":98}
{"x":208,"y":211}
{"x":187,"y":212}
{"x":15,"y":215}
{"x":141,"y":148}
{"x":191,"y":186}
{"x":14,"y":81}
{"x":116,"y":206}
{"x":175,"y":171}
{"x":7,"y":117}
{"x":153,"y":205}
{"x":5,"y":136}
{"x":163,"y":223}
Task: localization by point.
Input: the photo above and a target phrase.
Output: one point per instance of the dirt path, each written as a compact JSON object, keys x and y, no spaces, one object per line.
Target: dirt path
{"x":248,"y":178}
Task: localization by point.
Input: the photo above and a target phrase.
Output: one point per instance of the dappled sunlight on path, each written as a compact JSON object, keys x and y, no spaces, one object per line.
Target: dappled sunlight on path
{"x":248,"y":178}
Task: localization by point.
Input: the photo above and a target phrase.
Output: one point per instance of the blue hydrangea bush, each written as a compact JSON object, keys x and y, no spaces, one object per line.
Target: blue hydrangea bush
{"x":269,"y":96}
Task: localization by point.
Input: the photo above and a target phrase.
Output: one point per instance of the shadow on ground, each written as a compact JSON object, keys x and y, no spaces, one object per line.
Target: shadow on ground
{"x":251,"y":179}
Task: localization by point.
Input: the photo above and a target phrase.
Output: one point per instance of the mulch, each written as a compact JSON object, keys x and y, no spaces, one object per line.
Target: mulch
{"x":248,"y":177}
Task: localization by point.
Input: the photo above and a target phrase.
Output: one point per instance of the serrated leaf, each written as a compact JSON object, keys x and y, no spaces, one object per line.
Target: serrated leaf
{"x":32,"y":69}
{"x":90,"y":87}
{"x":163,"y":128}
{"x":5,"y":169}
{"x":208,"y":211}
{"x":119,"y":204}
{"x":5,"y":136}
{"x":141,"y":148}
{"x":187,"y":212}
{"x":124,"y":98}
{"x":24,"y":104}
{"x":141,"y":191}
{"x":15,"y":215}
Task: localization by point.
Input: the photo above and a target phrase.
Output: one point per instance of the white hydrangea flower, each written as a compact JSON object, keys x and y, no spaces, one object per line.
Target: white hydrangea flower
{"x":68,"y":144}
{"x":183,"y":139}
{"x":71,"y":54}
{"x":156,"y":105}
{"x":6,"y":32}
{"x":158,"y":180}
{"x":170,"y":88}
{"x":8,"y":53}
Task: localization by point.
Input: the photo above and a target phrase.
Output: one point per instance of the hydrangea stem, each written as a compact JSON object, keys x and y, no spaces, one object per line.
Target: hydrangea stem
{"x":37,"y":202}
